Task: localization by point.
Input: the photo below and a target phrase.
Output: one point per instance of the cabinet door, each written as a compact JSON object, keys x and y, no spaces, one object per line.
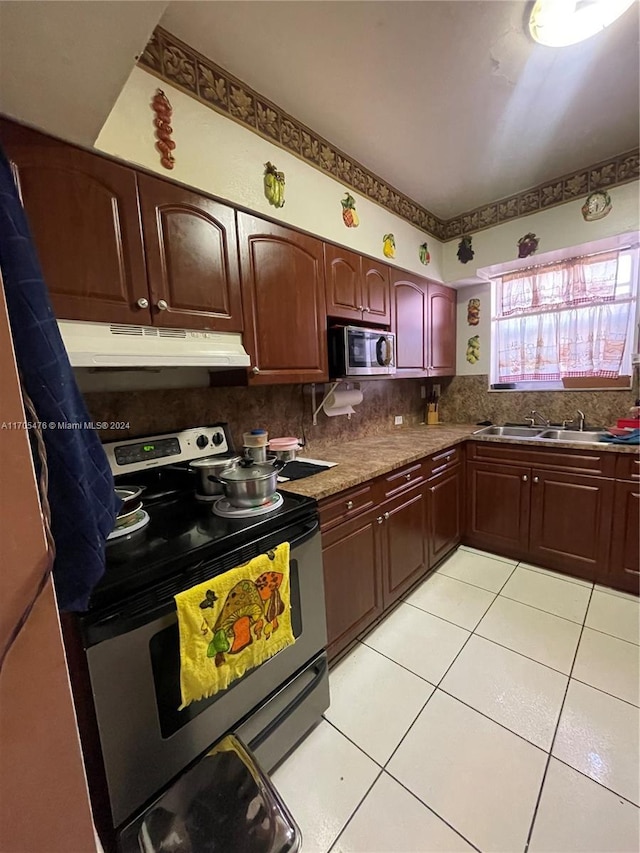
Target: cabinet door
{"x":570,"y":522}
{"x":441,"y":331}
{"x":343,"y":283}
{"x":282,"y":275}
{"x":498,"y":508}
{"x":376,"y":292}
{"x":404,"y":538}
{"x":409,"y":318}
{"x":352,"y":580}
{"x":444,"y":513}
{"x":83,"y":214}
{"x":624,"y":568}
{"x":192,"y":258}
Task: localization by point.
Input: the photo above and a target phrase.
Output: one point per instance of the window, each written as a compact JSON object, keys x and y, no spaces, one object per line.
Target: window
{"x":567,"y":322}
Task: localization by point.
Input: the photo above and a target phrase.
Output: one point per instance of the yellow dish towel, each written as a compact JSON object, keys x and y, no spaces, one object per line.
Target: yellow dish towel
{"x":232,"y":623}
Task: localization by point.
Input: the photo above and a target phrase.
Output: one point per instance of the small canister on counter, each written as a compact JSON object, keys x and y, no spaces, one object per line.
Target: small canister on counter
{"x":255,"y":444}
{"x":285,"y":449}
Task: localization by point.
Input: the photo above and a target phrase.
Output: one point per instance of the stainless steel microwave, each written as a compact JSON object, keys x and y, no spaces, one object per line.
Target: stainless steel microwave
{"x":354,"y":351}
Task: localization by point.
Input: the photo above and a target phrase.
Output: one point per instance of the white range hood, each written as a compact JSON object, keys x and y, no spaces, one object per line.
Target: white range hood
{"x":114,"y":345}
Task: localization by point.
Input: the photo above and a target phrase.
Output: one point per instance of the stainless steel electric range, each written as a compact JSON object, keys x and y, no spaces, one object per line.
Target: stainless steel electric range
{"x":123,"y":651}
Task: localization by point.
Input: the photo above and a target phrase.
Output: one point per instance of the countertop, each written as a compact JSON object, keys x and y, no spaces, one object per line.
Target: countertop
{"x":368,"y":458}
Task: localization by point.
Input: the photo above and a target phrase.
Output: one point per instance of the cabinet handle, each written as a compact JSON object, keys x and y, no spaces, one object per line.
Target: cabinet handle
{"x":407,"y":476}
{"x":143,"y":302}
{"x":632,"y":571}
{"x":379,"y":519}
{"x":536,"y":479}
{"x":162,"y":305}
{"x":524,"y":478}
{"x":386,"y":516}
{"x":349,"y":504}
{"x":255,"y":370}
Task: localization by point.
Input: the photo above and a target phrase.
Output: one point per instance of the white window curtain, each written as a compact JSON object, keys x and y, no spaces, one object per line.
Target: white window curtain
{"x":562,"y":321}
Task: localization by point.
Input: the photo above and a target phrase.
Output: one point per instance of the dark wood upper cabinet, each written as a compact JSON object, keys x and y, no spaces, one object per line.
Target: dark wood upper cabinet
{"x":192,"y":258}
{"x":376,"y":297}
{"x":423,"y":316}
{"x":441,"y":330}
{"x":344,"y":291}
{"x":444,"y":513}
{"x":357,"y":287}
{"x":282,"y":274}
{"x":409,"y":321}
{"x":624,"y":566}
{"x":83,"y":213}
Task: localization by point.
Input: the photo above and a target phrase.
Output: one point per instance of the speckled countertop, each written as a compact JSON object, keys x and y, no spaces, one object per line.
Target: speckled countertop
{"x":368,"y":458}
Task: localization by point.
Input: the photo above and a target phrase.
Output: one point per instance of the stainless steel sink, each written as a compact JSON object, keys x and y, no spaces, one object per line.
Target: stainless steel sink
{"x":511,"y":431}
{"x":586,"y":436}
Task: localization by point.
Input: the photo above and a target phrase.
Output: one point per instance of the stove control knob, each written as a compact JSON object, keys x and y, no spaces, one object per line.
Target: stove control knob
{"x":202,"y":441}
{"x":217,"y":438}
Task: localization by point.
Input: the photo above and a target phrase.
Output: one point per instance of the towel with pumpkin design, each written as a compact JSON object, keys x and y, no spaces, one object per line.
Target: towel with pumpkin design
{"x":233,"y":623}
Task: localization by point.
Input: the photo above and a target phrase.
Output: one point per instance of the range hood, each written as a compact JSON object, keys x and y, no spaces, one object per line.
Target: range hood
{"x":113,"y":345}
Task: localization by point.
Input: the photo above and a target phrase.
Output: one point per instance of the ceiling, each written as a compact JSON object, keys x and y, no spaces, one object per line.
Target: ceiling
{"x":447,"y":100}
{"x":63,"y":64}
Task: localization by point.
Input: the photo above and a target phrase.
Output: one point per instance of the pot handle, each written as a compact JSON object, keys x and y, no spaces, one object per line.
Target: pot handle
{"x":278,"y":464}
{"x":212,"y":478}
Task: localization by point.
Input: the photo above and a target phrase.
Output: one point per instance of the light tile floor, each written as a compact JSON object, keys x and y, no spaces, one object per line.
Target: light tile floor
{"x":496,"y":709}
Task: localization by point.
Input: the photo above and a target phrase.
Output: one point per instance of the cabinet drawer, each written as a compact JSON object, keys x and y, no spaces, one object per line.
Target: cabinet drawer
{"x":580,"y":461}
{"x":627,"y":466}
{"x":347,"y":504}
{"x":440,"y":462}
{"x":402,"y":478}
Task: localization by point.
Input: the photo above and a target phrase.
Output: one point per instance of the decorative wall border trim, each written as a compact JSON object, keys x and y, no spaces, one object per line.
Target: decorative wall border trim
{"x":175,"y":62}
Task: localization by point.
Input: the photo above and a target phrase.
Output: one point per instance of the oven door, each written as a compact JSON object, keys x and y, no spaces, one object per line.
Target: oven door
{"x":146,"y":741}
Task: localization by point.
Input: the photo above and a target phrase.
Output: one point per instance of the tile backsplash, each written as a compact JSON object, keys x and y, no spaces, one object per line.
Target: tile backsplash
{"x":466,"y":399}
{"x":282,"y":409}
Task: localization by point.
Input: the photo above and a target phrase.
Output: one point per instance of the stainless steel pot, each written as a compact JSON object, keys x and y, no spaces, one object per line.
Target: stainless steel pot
{"x":249,"y":484}
{"x":209,"y":467}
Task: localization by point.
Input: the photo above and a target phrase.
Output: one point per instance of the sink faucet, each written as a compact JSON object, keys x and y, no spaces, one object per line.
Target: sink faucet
{"x":532,"y":418}
{"x":581,"y":420}
{"x":579,"y":423}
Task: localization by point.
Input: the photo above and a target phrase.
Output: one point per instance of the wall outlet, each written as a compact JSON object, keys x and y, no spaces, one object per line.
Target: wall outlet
{"x":436,"y":389}
{"x":398,"y":420}
{"x":423,"y":392}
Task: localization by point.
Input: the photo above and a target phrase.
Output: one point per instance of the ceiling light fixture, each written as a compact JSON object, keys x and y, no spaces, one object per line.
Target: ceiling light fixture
{"x":557,"y":23}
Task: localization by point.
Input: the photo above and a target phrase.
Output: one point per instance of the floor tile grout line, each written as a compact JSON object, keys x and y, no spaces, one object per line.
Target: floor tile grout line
{"x":432,"y":810}
{"x":606,"y":692}
{"x":553,"y":739}
{"x":522,"y":655}
{"x":478,"y":553}
{"x":541,"y":610}
{"x":613,"y":636}
{"x":595,"y":782}
{"x":355,"y":811}
{"x":429,"y":613}
{"x":553,"y":575}
{"x":438,"y":573}
{"x":401,"y":665}
{"x":617,"y":593}
{"x":363,"y":751}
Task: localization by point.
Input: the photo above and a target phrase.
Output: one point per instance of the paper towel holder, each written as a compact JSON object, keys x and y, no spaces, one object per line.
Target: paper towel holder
{"x":315,"y":408}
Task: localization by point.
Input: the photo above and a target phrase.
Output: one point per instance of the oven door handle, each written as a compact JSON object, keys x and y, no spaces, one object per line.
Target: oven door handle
{"x":311,"y":530}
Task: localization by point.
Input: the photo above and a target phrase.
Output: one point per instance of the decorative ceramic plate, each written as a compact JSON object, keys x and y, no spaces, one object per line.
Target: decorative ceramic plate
{"x":596,"y":206}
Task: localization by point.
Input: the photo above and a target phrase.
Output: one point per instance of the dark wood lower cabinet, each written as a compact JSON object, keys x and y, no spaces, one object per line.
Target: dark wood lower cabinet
{"x":352,"y":580}
{"x":444,"y":513}
{"x":498,"y":508}
{"x":403,"y":533}
{"x":624,"y":564}
{"x":570,"y":522}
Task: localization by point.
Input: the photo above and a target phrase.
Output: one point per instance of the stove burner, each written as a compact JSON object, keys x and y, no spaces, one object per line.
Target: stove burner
{"x":223,"y":508}
{"x":207,"y":499}
{"x":138,"y":521}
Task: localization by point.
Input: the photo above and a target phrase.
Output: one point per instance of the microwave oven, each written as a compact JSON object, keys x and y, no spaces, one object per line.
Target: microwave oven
{"x":354,"y":351}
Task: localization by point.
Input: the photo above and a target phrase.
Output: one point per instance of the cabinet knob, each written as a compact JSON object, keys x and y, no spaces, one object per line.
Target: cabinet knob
{"x":536,"y":479}
{"x":447,"y":459}
{"x":367,"y":308}
{"x":143,"y":302}
{"x":255,"y":370}
{"x":379,"y":519}
{"x":162,"y":305}
{"x":360,"y":307}
{"x":407,"y":476}
{"x":386,"y":516}
{"x":524,"y":478}
{"x":349,"y":504}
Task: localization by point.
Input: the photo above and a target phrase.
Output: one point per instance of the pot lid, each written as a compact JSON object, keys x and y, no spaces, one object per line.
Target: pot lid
{"x":214,"y":462}
{"x":249,"y":472}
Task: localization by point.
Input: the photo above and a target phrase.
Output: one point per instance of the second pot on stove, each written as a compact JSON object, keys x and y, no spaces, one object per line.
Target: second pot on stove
{"x":209,"y":467}
{"x":249,"y":484}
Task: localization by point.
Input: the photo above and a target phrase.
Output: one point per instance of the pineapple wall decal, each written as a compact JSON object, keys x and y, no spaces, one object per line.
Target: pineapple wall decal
{"x":349,"y":215}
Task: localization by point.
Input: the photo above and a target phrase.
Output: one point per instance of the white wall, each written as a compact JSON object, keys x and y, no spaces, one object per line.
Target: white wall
{"x":557,"y":228}
{"x":225,"y":159}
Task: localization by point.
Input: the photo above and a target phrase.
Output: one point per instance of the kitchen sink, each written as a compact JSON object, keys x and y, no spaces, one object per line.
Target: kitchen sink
{"x":511,"y":431}
{"x":586,"y":436}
